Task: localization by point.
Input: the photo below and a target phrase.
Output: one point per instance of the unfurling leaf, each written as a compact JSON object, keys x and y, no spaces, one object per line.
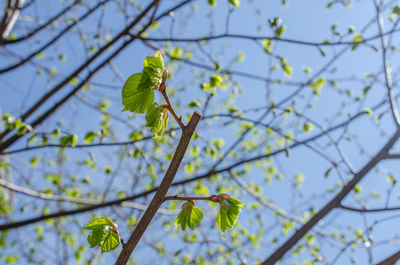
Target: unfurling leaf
{"x":190,"y":216}
{"x":104,"y":234}
{"x":317,"y":84}
{"x":229,"y":211}
{"x":157,"y":119}
{"x":138,"y":90}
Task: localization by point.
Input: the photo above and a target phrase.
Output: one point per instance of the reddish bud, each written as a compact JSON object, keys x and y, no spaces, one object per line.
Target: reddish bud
{"x":224,"y":196}
{"x":165,"y":75}
{"x":161,"y":87}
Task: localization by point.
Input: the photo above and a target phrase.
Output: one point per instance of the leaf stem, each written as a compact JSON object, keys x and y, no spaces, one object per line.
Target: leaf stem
{"x":171,"y":109}
{"x":183,"y":198}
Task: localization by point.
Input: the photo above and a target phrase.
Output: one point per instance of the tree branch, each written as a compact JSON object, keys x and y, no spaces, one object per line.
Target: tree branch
{"x":43,"y":26}
{"x":44,"y":98}
{"x":333,"y":203}
{"x":364,"y":210}
{"x":159,"y":197}
{"x":390,"y":260}
{"x":178,"y":183}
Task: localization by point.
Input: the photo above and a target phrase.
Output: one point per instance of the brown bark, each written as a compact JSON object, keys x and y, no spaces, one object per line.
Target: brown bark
{"x":159,"y":197}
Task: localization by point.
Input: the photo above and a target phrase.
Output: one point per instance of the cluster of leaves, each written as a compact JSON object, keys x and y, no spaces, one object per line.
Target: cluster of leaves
{"x":104,"y":234}
{"x":138,"y":93}
{"x":11,"y":123}
{"x":229,"y":210}
{"x":190,"y":216}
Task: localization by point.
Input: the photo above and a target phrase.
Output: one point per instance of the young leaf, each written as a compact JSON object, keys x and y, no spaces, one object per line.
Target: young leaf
{"x":111,"y":242}
{"x":154,"y":69}
{"x":96,"y":223}
{"x":190,"y":216}
{"x":89,"y":137}
{"x":137,"y":95}
{"x":105,"y":234}
{"x":235,"y":2}
{"x":96,"y":237}
{"x":157,"y":119}
{"x":229,"y":211}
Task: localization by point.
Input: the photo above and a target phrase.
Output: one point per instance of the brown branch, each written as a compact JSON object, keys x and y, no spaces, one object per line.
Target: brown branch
{"x":83,"y":201}
{"x":183,"y":198}
{"x":43,"y":26}
{"x":390,"y":260}
{"x":365,"y":210}
{"x":159,"y":197}
{"x":255,"y":38}
{"x":178,"y":183}
{"x":10,"y":17}
{"x":52,"y":41}
{"x":84,"y":66}
{"x":43,"y":117}
{"x":171,"y":109}
{"x":392,"y":156}
{"x":332,"y":204}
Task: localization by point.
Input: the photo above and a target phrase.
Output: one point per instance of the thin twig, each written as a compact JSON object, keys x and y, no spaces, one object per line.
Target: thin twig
{"x":171,"y":109}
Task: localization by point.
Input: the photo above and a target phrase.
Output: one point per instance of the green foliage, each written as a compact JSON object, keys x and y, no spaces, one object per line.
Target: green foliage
{"x":235,"y":2}
{"x":308,"y":127}
{"x":138,"y":94}
{"x":190,"y":216}
{"x":317,"y":84}
{"x":267,"y":45}
{"x":70,"y":140}
{"x":357,"y":38}
{"x":157,"y":119}
{"x":104,"y":234}
{"x":89,"y":137}
{"x":229,"y":211}
{"x":212,"y":2}
{"x":396,"y":10}
{"x":138,"y":90}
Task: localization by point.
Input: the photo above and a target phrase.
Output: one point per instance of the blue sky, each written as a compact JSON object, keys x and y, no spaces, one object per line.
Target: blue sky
{"x":304,"y":20}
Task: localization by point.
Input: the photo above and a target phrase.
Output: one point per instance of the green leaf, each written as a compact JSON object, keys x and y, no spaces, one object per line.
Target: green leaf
{"x":228,"y":212}
{"x":137,"y":95}
{"x":104,"y":234}
{"x":71,"y":140}
{"x":267,"y":45}
{"x":212,"y":2}
{"x":279,"y":31}
{"x":317,"y":84}
{"x":111,"y":241}
{"x":97,"y":223}
{"x":34,"y":161}
{"x":190,"y":216}
{"x":215,"y":80}
{"x":74,"y":140}
{"x":97,"y":236}
{"x":157,"y":119}
{"x":89,"y":137}
{"x":308,"y":127}
{"x":396,"y":10}
{"x":235,"y":2}
{"x":154,"y":69}
{"x":357,"y":38}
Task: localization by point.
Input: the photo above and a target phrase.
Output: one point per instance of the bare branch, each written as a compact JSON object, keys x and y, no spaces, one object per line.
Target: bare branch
{"x":159,"y":197}
{"x":54,"y":197}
